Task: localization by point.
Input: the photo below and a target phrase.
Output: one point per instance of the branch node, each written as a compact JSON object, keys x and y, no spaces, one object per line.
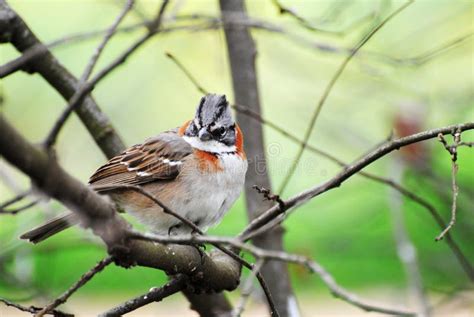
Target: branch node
{"x":267,"y":194}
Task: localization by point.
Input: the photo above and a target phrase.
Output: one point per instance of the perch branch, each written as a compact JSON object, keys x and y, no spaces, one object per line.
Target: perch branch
{"x":264,"y":254}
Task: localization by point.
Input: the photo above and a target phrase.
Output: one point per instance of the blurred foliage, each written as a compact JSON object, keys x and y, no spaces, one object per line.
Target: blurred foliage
{"x":349,"y":229}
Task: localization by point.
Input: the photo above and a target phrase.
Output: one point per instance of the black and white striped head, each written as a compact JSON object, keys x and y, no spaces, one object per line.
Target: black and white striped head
{"x":213,"y":128}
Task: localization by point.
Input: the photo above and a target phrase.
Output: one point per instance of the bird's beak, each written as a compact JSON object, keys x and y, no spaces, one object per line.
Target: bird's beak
{"x":204,"y":135}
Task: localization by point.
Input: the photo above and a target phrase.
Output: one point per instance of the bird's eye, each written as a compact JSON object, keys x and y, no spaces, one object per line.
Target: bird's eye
{"x":219,"y":133}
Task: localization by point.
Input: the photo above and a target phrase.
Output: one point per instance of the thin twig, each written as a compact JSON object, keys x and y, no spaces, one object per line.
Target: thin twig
{"x":34,"y":309}
{"x":429,"y":55}
{"x":259,"y":253}
{"x":247,"y":288}
{"x":187,"y":73}
{"x":154,"y":295}
{"x":269,"y":196}
{"x":158,"y":202}
{"x":454,"y":169}
{"x":468,"y":144}
{"x":310,"y":26}
{"x":61,"y":79}
{"x":213,"y":23}
{"x":76,"y":98}
{"x":15,"y":211}
{"x":81,"y":282}
{"x":15,"y":199}
{"x":89,"y":86}
{"x":350,"y":170}
{"x":328,"y":89}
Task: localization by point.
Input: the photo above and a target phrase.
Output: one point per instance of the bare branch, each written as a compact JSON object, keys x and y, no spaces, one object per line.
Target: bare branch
{"x":260,"y":253}
{"x":328,"y":89}
{"x":247,"y":289}
{"x":350,"y":170}
{"x":33,"y":309}
{"x":468,"y":144}
{"x":267,"y":194}
{"x":187,"y":73}
{"x":17,"y":32}
{"x":76,"y":98}
{"x":81,"y":282}
{"x":453,"y":150}
{"x":310,"y":26}
{"x":165,"y":208}
{"x":214,"y":23}
{"x":15,"y":199}
{"x":458,"y":253}
{"x":429,"y":55}
{"x":154,"y":295}
{"x":21,"y":62}
{"x":16,"y":210}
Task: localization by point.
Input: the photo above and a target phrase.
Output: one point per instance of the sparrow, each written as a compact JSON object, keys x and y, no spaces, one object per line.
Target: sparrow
{"x":197,"y":170}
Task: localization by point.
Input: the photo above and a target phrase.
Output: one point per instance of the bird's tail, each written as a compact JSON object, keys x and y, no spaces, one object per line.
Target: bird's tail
{"x":50,"y":228}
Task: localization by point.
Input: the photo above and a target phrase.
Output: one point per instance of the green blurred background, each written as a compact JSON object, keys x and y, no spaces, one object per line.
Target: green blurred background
{"x":348,"y":230}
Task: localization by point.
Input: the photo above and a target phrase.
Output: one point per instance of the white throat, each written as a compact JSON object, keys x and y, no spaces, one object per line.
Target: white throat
{"x":209,"y":146}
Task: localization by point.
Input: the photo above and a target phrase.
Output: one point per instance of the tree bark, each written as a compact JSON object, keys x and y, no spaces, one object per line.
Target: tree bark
{"x":242,"y":53}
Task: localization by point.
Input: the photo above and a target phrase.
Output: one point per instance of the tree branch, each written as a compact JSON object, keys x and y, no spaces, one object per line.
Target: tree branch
{"x":247,"y":288}
{"x":77,"y":97}
{"x":154,"y":295}
{"x":350,"y":170}
{"x":328,"y":90}
{"x":453,"y":150}
{"x":81,"y":282}
{"x":33,"y":309}
{"x":19,"y":35}
{"x":264,"y":254}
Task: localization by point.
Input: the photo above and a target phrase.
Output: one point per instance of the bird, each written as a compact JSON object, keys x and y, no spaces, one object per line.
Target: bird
{"x":196,"y":170}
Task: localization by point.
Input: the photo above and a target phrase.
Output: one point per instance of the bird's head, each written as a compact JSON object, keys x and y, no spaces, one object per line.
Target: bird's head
{"x":213,"y":129}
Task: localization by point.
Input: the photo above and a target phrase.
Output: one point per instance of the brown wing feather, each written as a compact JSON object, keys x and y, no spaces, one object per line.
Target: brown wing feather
{"x":159,"y":158}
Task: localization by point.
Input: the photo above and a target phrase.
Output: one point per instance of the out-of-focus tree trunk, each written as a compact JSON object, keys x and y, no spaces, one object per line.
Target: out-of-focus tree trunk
{"x":242,"y":53}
